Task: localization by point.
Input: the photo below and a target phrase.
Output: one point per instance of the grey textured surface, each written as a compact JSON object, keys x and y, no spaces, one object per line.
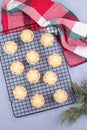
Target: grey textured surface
{"x":50,"y":119}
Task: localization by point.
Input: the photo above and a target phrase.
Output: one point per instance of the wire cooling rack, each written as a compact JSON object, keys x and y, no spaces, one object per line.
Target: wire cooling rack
{"x":23,"y":108}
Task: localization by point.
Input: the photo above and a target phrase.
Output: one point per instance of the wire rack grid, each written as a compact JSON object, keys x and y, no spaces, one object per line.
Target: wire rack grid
{"x":22,"y":108}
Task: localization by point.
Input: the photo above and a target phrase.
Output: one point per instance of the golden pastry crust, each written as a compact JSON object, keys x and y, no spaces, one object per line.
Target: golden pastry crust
{"x":33,"y":76}
{"x":10,"y":47}
{"x":20,"y":92}
{"x":27,"y":35}
{"x":47,"y":40}
{"x":50,"y":78}
{"x":60,"y":96}
{"x":37,"y":100}
{"x":32,"y":57}
{"x":17,"y":68}
{"x":55,"y":60}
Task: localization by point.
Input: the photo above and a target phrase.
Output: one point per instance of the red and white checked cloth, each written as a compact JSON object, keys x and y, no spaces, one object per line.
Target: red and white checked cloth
{"x":72,"y":33}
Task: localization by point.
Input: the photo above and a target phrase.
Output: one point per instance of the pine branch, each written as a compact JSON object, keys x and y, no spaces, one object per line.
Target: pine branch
{"x":80,"y":92}
{"x":74,"y":113}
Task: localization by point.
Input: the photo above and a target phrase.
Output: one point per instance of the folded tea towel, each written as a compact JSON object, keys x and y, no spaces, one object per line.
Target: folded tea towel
{"x":72,"y":34}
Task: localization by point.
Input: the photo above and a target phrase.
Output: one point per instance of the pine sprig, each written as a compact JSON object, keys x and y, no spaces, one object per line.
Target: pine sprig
{"x":74,"y":113}
{"x":80,"y":92}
